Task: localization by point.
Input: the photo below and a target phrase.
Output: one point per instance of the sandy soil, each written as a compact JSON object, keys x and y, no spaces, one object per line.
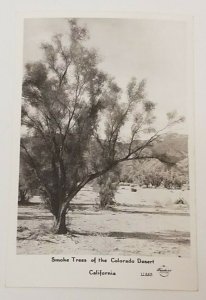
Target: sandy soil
{"x":146,"y":222}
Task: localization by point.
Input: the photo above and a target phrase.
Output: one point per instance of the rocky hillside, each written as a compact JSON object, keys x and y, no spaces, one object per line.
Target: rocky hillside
{"x":172,"y":148}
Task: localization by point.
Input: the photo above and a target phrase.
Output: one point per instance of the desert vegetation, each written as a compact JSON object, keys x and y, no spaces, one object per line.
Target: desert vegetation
{"x":72,"y":117}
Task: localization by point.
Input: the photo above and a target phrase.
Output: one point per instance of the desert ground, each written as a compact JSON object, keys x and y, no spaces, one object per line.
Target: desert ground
{"x":148,"y":222}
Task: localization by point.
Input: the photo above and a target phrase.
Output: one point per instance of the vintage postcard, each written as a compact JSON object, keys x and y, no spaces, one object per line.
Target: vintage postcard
{"x":102,"y":193}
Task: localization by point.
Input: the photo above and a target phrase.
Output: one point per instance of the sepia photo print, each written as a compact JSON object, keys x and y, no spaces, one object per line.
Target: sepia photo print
{"x":104,"y":164}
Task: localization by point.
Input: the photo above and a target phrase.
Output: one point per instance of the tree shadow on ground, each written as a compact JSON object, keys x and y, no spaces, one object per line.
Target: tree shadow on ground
{"x":85,"y":211}
{"x":149,"y":212}
{"x":26,"y":204}
{"x":34,"y":217}
{"x":169,"y":236}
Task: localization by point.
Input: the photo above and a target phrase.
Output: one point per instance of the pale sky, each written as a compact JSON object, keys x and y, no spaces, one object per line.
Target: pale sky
{"x":152,"y":49}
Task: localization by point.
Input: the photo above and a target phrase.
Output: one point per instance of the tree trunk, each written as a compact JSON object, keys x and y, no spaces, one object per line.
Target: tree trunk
{"x":106,"y":202}
{"x":60,"y":224}
{"x":23,"y":197}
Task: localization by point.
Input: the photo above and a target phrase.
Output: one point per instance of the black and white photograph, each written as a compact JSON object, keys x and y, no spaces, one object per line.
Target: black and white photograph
{"x":102,"y":192}
{"x":104,"y":155}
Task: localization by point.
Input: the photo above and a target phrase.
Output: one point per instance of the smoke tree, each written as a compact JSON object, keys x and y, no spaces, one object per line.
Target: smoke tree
{"x":28,"y":183}
{"x":73,"y":114}
{"x":107,"y":186}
